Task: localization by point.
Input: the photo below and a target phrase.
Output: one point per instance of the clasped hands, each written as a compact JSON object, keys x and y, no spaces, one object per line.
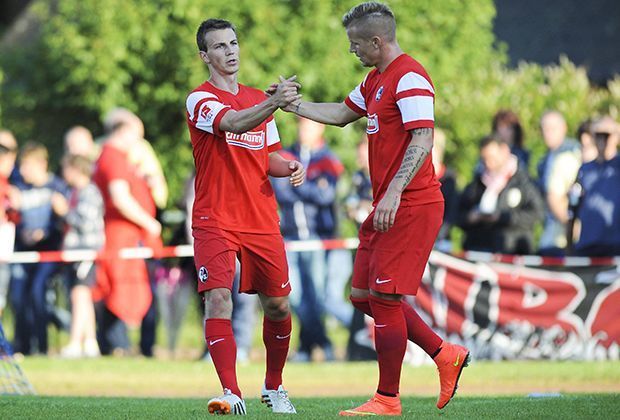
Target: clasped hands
{"x":285,"y":93}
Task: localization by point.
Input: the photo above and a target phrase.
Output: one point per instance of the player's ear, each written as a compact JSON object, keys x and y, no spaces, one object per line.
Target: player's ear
{"x":376,"y":42}
{"x":204,"y":57}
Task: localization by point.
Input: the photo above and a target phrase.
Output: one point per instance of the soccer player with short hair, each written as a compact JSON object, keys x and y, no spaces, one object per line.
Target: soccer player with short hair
{"x":235,"y":142}
{"x":396,"y":239}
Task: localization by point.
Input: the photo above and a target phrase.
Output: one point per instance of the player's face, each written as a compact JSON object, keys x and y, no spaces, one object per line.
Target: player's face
{"x":362,"y":47}
{"x":222,"y":53}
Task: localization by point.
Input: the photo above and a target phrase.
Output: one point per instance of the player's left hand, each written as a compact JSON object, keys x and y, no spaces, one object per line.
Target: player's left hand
{"x":299,"y":173}
{"x":385,"y":212}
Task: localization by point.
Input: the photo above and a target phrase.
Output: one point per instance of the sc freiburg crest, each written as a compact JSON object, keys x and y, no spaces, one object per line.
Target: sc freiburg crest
{"x":379,"y":93}
{"x":203,"y":274}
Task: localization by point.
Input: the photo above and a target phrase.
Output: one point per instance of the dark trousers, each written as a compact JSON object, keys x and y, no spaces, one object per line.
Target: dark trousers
{"x":28,"y":298}
{"x":111,"y":331}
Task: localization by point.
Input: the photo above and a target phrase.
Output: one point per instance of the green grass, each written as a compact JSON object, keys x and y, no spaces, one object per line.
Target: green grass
{"x":138,"y":388}
{"x":187,"y":379}
{"x":567,"y":406}
{"x":135,"y":388}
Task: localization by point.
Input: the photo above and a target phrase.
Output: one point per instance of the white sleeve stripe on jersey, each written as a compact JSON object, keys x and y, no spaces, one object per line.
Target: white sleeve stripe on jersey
{"x":413,"y":80}
{"x":413,"y":92}
{"x":357,"y":98}
{"x":194,"y":98}
{"x":273,"y":136}
{"x":414,"y":108}
{"x":205,"y":120}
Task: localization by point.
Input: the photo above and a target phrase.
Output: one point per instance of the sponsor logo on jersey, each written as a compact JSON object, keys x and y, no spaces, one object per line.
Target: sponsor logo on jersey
{"x":207,"y":114}
{"x":373,"y":124}
{"x":379,"y":93}
{"x":254,"y":140}
{"x":203,"y":274}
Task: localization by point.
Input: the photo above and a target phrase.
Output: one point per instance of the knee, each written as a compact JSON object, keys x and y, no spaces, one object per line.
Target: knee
{"x":218,"y":303}
{"x":277,"y":308}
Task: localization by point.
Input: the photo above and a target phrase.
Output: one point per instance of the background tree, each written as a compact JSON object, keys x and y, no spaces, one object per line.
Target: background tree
{"x":84,"y":57}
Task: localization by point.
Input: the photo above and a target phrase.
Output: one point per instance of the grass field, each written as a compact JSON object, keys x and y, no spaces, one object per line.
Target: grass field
{"x":568,"y":407}
{"x":142,"y":388}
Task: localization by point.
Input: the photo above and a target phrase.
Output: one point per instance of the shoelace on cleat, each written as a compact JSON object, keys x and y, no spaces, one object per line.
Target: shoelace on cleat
{"x":284,"y":395}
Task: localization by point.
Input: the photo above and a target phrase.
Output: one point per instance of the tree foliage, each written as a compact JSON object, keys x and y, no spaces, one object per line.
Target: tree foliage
{"x":89,"y":56}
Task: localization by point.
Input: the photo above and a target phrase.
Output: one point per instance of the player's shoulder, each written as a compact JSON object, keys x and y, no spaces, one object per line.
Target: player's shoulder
{"x":251,"y":91}
{"x":205,"y":89}
{"x":410,"y":74}
{"x":408,"y":64}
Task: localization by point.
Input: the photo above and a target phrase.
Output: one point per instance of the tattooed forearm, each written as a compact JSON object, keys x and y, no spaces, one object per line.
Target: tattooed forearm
{"x":412,"y":161}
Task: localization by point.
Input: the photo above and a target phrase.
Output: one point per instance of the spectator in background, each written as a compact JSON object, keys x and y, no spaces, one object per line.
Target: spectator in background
{"x":151,"y":191}
{"x":557,"y":171}
{"x":122,"y":285}
{"x":79,"y":142}
{"x":447,"y":177}
{"x":84,"y":230}
{"x":588,"y":147}
{"x":308,"y":212}
{"x":8,"y":153}
{"x":599,"y":210}
{"x":142,"y":155}
{"x":40,"y":201}
{"x":499,"y":208}
{"x":507,"y":126}
{"x":359,"y":201}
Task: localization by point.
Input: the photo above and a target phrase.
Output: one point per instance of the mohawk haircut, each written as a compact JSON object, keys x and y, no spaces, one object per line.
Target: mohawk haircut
{"x":372,"y":15}
{"x":208,"y":26}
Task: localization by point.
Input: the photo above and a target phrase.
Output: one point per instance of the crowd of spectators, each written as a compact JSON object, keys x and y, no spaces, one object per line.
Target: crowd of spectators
{"x":109,"y":192}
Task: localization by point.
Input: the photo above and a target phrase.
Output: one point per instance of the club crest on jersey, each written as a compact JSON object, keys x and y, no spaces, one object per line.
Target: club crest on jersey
{"x":379,"y":93}
{"x":373,"y":124}
{"x":254,"y":140}
{"x":203,"y":274}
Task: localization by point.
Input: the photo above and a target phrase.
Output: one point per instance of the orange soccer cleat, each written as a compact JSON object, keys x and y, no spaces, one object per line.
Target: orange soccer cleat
{"x":379,"y":405}
{"x":450,"y":363}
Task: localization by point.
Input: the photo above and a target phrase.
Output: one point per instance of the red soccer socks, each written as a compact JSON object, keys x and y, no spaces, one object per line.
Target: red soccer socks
{"x":276,"y":336}
{"x":223,"y":350}
{"x":420,"y":333}
{"x":390,"y":341}
{"x":417,"y":330}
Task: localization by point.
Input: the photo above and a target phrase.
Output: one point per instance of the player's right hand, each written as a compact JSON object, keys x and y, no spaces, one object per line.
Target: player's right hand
{"x":286,"y":92}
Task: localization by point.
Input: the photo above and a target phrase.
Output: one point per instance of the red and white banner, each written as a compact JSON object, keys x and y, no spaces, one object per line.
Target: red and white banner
{"x":508,"y":311}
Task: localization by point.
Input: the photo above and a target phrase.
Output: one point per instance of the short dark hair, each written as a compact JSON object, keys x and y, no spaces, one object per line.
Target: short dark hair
{"x":371,"y":12}
{"x":584,"y":127}
{"x":491,"y":138}
{"x":508,"y":117}
{"x":208,"y":26}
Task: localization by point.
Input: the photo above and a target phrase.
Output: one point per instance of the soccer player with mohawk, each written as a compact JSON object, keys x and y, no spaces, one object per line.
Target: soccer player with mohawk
{"x":397,"y":97}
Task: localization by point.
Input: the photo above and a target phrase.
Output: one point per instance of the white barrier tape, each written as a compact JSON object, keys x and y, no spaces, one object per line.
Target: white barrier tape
{"x":293,"y":246}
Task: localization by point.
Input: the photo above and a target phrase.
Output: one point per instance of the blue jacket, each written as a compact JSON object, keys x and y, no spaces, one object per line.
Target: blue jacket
{"x":599,"y":210}
{"x":309,"y":211}
{"x":36,"y":213}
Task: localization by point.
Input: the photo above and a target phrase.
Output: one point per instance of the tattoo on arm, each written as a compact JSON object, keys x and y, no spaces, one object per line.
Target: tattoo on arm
{"x":413,"y":159}
{"x":423,"y":131}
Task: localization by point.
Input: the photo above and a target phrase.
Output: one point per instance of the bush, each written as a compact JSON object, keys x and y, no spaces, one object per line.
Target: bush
{"x":87,"y":56}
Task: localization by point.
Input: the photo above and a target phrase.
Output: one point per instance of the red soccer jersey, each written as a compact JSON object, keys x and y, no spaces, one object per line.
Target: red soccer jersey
{"x":396,"y":101}
{"x":232,"y":187}
{"x":113,"y":164}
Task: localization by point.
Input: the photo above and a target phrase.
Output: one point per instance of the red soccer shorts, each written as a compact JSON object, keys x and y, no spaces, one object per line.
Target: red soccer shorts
{"x":263,"y":261}
{"x":393,"y":262}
